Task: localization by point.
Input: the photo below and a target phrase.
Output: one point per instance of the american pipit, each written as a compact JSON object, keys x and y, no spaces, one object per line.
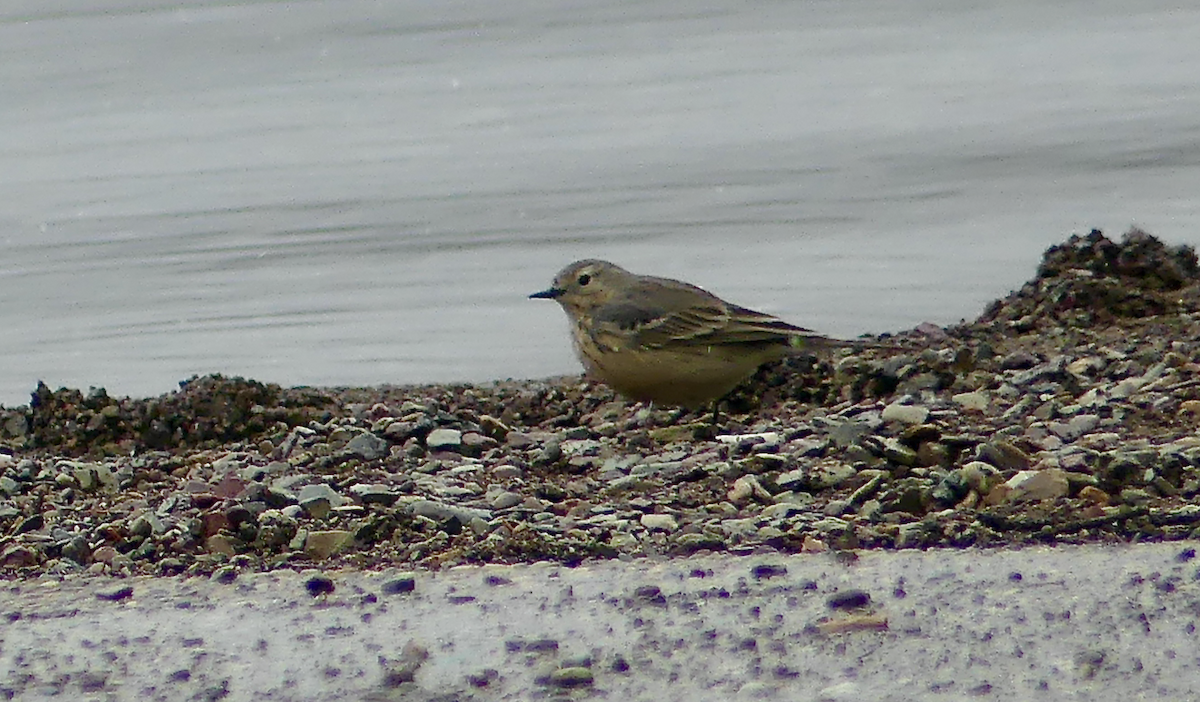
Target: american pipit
{"x":666,"y":341}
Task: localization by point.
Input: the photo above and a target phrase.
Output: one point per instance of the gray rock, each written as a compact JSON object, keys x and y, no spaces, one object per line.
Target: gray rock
{"x":320,"y":545}
{"x":1054,"y":368}
{"x":1075,"y":427}
{"x":375,"y":494}
{"x":146,"y":524}
{"x":905,"y":414}
{"x":846,"y":433}
{"x":506,"y":500}
{"x":792,"y":479}
{"x":444,"y":440}
{"x":9,"y":486}
{"x":93,"y":476}
{"x":747,"y":487}
{"x":572,"y":677}
{"x":1018,"y":360}
{"x":276,"y":528}
{"x":911,"y":535}
{"x":891,"y":449}
{"x":317,"y":500}
{"x":659,"y":522}
{"x":506,"y":472}
{"x":973,"y":401}
{"x":762,"y":463}
{"x":1004,"y":455}
{"x":367,"y":446}
{"x":77,"y":549}
{"x":441,"y":511}
{"x":1032,"y":485}
{"x":979,"y":476}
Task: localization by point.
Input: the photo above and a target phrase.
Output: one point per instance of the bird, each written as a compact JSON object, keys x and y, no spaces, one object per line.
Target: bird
{"x":665,"y":341}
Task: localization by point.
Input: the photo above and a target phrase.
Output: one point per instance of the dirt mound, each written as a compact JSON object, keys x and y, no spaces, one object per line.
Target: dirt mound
{"x":1091,"y":281}
{"x":205,"y":410}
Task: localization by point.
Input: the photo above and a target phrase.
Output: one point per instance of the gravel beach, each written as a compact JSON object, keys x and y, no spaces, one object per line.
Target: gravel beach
{"x":1065,"y":414}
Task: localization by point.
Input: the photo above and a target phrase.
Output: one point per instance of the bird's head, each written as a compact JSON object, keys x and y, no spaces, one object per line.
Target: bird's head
{"x":585,"y":284}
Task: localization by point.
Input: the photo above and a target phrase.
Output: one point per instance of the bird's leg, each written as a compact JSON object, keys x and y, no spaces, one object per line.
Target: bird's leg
{"x":716,"y":416}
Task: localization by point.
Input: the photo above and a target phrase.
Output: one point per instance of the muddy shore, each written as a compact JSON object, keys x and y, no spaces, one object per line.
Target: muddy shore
{"x":1065,"y":414}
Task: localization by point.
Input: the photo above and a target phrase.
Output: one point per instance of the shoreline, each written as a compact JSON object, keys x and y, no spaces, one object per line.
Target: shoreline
{"x":1065,"y":414}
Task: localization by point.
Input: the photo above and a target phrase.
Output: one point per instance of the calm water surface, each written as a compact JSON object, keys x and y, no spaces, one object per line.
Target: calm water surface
{"x":352,"y":192}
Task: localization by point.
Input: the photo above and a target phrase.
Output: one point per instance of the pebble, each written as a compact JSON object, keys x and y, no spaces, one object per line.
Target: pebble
{"x":444,"y":440}
{"x":320,"y":545}
{"x":848,"y":599}
{"x":905,"y":414}
{"x":399,"y":585}
{"x":659,"y":522}
{"x":971,"y":401}
{"x":317,"y":500}
{"x":572,"y":677}
{"x":367,"y":446}
{"x":1031,"y":485}
{"x":746,"y":488}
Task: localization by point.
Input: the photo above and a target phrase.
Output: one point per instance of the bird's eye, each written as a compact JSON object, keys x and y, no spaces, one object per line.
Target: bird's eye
{"x":585,"y":279}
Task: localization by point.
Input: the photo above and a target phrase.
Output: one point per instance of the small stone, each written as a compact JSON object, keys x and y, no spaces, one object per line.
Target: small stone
{"x":905,"y":414}
{"x":764,"y":571}
{"x":18,"y":556}
{"x":375,"y":494}
{"x":1075,"y":427}
{"x":572,"y":677}
{"x":1191,"y":407}
{"x":105,"y":554}
{"x":116,"y":595}
{"x":367,"y":446}
{"x":1136,"y":496}
{"x":911,"y":535}
{"x":225,"y":574}
{"x":659,"y":522}
{"x":9,"y":486}
{"x":505,"y":500}
{"x":507,"y":472}
{"x":322,"y":544}
{"x":319,"y":585}
{"x":848,"y":599}
{"x":747,"y":487}
{"x":1033,"y":485}
{"x":896,"y":452}
{"x":979,"y":476}
{"x":971,"y":401}
{"x":400,"y":585}
{"x":219,"y":543}
{"x":1094,"y":495}
{"x":1004,"y":455}
{"x":94,"y":476}
{"x":444,"y":440}
{"x":319,"y":499}
{"x":493,"y":427}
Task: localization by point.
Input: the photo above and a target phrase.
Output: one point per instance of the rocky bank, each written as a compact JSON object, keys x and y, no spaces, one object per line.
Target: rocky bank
{"x":1066,"y":413}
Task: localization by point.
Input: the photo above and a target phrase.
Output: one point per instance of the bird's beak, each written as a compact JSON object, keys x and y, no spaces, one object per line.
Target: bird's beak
{"x":548,"y":294}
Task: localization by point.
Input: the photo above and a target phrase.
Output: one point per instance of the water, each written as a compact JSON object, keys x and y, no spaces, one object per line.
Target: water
{"x":353,"y":192}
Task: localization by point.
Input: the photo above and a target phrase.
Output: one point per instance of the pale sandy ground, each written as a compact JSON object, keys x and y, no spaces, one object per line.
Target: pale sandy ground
{"x":1063,"y":623}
